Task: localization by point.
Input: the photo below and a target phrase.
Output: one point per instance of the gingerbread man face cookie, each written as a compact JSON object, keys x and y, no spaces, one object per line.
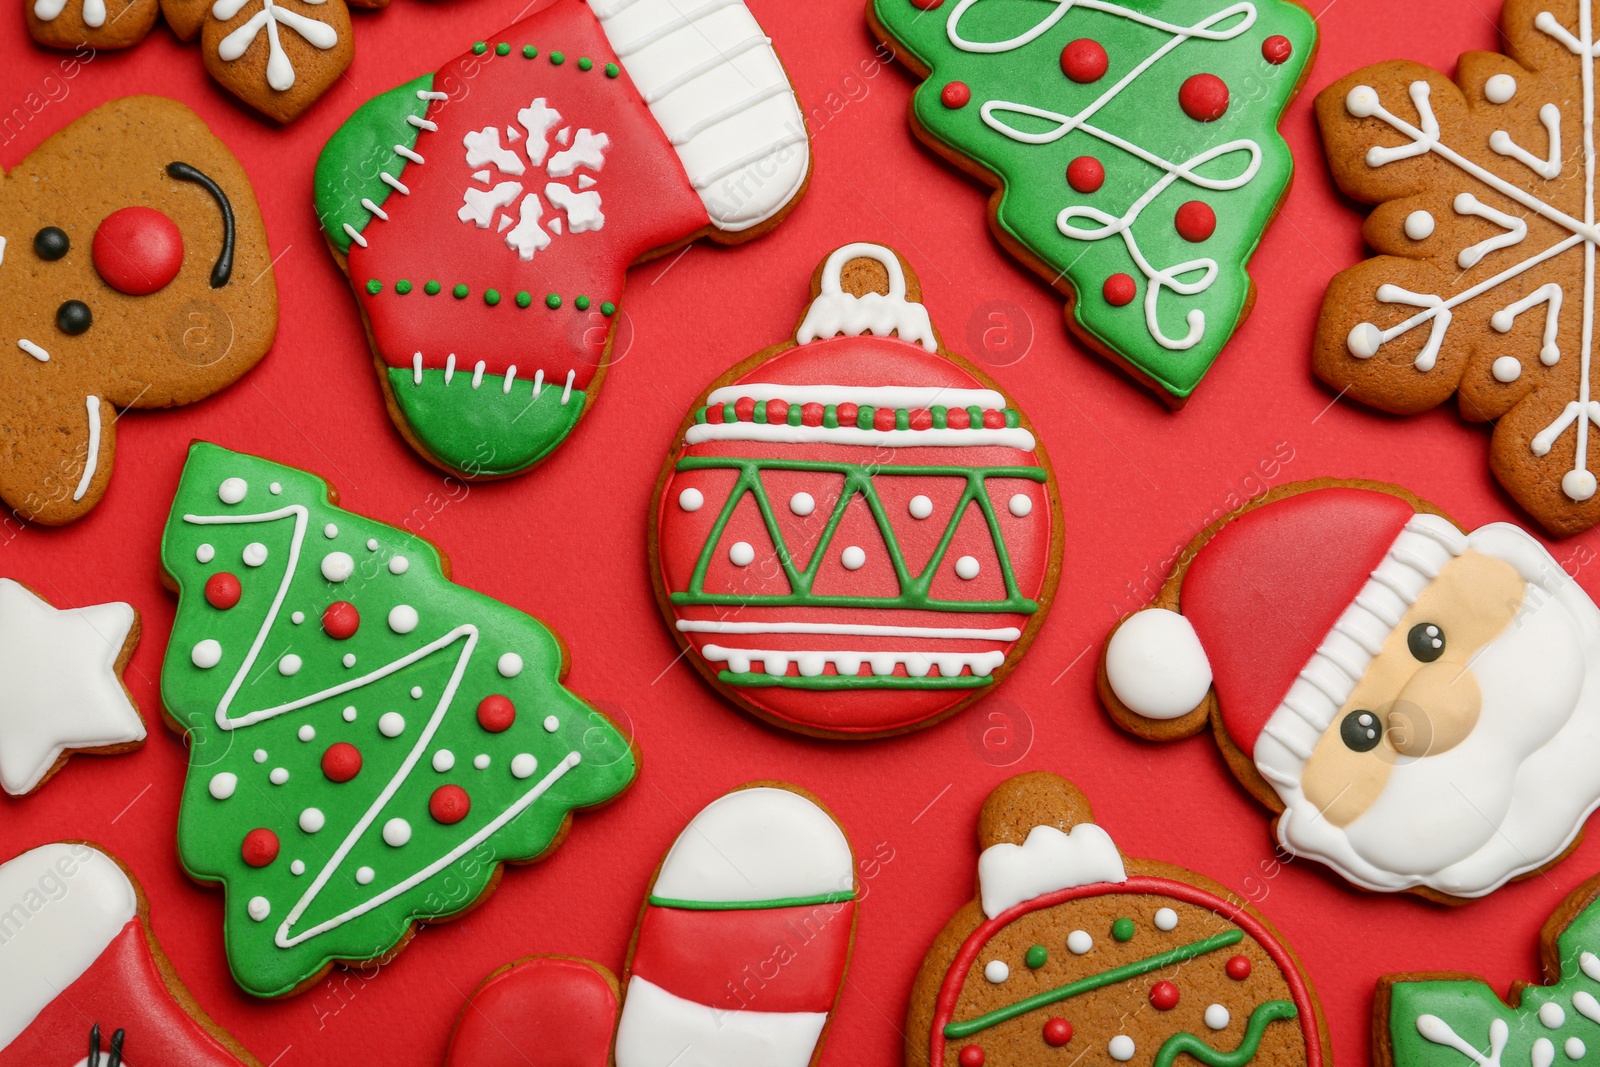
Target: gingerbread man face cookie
{"x":1414,"y":700}
{"x":136,"y":273}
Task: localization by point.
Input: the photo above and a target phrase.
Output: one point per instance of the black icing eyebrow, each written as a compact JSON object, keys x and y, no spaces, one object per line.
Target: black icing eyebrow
{"x":223,"y":270}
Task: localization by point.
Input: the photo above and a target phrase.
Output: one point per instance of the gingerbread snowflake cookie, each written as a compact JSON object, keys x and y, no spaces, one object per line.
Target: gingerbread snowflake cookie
{"x":1484,"y":283}
{"x":1134,"y":151}
{"x":487,"y":234}
{"x":1073,"y":951}
{"x":1414,"y":700}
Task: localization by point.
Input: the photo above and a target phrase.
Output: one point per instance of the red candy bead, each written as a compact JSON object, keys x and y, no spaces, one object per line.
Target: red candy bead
{"x":1084,"y":61}
{"x":496,"y":713}
{"x":1057,"y":1032}
{"x":341,"y":620}
{"x":958,"y":418}
{"x":341,"y":762}
{"x":1163,"y":996}
{"x":1119,"y":290}
{"x":1204,"y":97}
{"x":260,"y":847}
{"x":883,"y":419}
{"x":744,"y":409}
{"x":847,"y":413}
{"x":811,"y":414}
{"x":137,"y":250}
{"x":926,"y":5}
{"x":714,"y":414}
{"x":223,"y":590}
{"x":1276,"y":49}
{"x":1238,"y":968}
{"x":955,"y":95}
{"x":1086,"y":174}
{"x":449,"y":804}
{"x":922,"y":419}
{"x":777,"y":412}
{"x":1195,"y":221}
{"x":971,"y":1056}
{"x":994,"y":420}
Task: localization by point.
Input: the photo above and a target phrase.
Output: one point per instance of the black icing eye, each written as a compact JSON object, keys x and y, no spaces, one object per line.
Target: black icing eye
{"x":1360,"y":731}
{"x":74,"y":317}
{"x":51,"y":243}
{"x":1426,"y":641}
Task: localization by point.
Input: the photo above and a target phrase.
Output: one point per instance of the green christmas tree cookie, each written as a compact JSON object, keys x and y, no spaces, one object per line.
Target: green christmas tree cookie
{"x":1134,"y":150}
{"x":368,"y":742}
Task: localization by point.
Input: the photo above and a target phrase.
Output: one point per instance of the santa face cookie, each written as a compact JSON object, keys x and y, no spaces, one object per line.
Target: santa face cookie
{"x":79,"y":969}
{"x":368,"y":742}
{"x":1134,"y":150}
{"x":857,"y":533}
{"x":486,"y":214}
{"x":1073,"y":951}
{"x":1414,"y":700}
{"x":136,"y":274}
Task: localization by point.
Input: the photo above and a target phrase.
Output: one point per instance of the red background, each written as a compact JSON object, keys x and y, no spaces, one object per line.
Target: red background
{"x":567,"y":543}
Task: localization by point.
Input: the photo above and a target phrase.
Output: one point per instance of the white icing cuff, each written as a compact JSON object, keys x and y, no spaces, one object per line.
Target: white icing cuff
{"x":1156,"y":665}
{"x":659,"y":1029}
{"x":1047,"y":861}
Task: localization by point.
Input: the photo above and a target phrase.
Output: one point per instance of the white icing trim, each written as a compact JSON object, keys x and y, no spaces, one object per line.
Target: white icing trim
{"x":660,"y":1029}
{"x":34,"y":350}
{"x":1156,"y":665}
{"x":1049,"y":860}
{"x":1010,"y":437}
{"x":910,"y":397}
{"x":757,"y":844}
{"x":280,"y":71}
{"x":92,"y":457}
{"x":918,"y":664}
{"x":836,"y":313}
{"x":950,"y":633}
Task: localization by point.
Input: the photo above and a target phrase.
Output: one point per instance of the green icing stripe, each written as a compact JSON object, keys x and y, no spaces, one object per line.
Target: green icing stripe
{"x":1100,"y":981}
{"x":756,"y":680}
{"x":349,"y":168}
{"x":753,"y":905}
{"x":1269,"y":1012}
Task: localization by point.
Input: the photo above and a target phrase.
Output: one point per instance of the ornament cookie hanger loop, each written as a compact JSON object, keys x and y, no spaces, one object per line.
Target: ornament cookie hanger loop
{"x":836,"y":313}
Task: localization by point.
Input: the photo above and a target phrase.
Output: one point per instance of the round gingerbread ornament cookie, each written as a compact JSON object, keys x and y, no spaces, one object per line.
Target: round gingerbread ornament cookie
{"x":857,"y":532}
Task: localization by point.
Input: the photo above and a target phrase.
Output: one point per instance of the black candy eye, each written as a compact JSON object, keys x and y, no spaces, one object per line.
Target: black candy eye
{"x":73,"y":317}
{"x":51,"y":243}
{"x":1361,"y":731}
{"x":1426,"y":641}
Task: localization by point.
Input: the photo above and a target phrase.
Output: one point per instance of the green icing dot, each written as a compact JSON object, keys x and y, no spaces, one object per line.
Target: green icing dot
{"x":612,"y":70}
{"x":552,"y":301}
{"x":608,"y":308}
{"x":479,"y":48}
{"x":529,"y":52}
{"x":524,"y":298}
{"x":432,"y":288}
{"x":460,"y":291}
{"x":402,"y":287}
{"x":1122,"y":929}
{"x":502,"y":49}
{"x":1037,"y":956}
{"x":582,"y":303}
{"x":374,"y":286}
{"x":585,"y":63}
{"x":556,"y":58}
{"x":491,"y":297}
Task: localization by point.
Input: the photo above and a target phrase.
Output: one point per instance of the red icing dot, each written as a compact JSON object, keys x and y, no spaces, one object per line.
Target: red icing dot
{"x":1239,"y":968}
{"x":137,"y":250}
{"x":341,"y":762}
{"x":714,"y":413}
{"x":1163,"y":996}
{"x":811,"y":414}
{"x":847,"y":413}
{"x":744,"y":409}
{"x":223,"y":590}
{"x":260,"y":847}
{"x":1276,"y":49}
{"x":496,"y":713}
{"x":971,"y":1056}
{"x":1057,"y":1032}
{"x":1204,"y":97}
{"x":1086,"y":174}
{"x":883,"y":419}
{"x":926,"y":5}
{"x":1195,"y":221}
{"x":958,"y":418}
{"x":1120,"y":290}
{"x":777,"y":412}
{"x":341,"y":620}
{"x":994,"y":420}
{"x":955,"y":95}
{"x":921,"y":419}
{"x":1084,"y":61}
{"x":449,"y":804}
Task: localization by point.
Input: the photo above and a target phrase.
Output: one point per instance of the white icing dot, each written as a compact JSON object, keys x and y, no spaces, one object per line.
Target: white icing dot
{"x":205,"y":553}
{"x":1500,"y":88}
{"x":443,"y":760}
{"x":854,"y":558}
{"x":311,"y":820}
{"x":1218,"y":1017}
{"x":259,"y":907}
{"x":920,"y":507}
{"x":1419,"y":225}
{"x":802,"y":504}
{"x":967,"y":568}
{"x":399,"y":565}
{"x":223,"y":784}
{"x":365,"y":875}
{"x":279,"y":775}
{"x":307,"y":733}
{"x":338,"y":566}
{"x":1575,"y":1048}
{"x":741,"y":554}
{"x":232,"y":490}
{"x":350,"y":713}
{"x":1506,"y":369}
{"x":1121,"y":1048}
{"x":391,"y":724}
{"x":551,"y":724}
{"x":372,"y":544}
{"x":996,"y":971}
{"x":297,"y":868}
{"x":255,"y":554}
{"x":396,"y":832}
{"x":289,"y":665}
{"x":1166,"y":919}
{"x":1552,"y":1015}
{"x":298,"y":617}
{"x":402,"y":618}
{"x":416,"y":692}
{"x":1020,"y":505}
{"x":275,"y":489}
{"x":330,"y":531}
{"x":523,"y":765}
{"x":1079,"y":942}
{"x":349,"y":659}
{"x":1362,"y":101}
{"x":510,"y":665}
{"x":260,"y":755}
{"x":1578,"y":485}
{"x":1364,"y":341}
{"x":481,"y":762}
{"x":206,"y":654}
{"x":691,"y":499}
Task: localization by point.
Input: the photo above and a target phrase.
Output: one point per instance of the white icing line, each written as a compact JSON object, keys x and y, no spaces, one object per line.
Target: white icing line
{"x":406,"y":153}
{"x":477,"y":374}
{"x":1011,"y":437}
{"x":951,"y":633}
{"x":422,"y":123}
{"x":812,"y":662}
{"x":354,"y":236}
{"x":878,"y":396}
{"x":672,"y":85}
{"x":34,"y":350}
{"x":511,"y":376}
{"x":93,"y":457}
{"x":394,"y":183}
{"x":566,"y":393}
{"x":707,"y":180}
{"x":375,"y":209}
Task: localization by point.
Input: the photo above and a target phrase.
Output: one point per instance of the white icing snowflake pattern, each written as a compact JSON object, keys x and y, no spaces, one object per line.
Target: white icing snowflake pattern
{"x":561,"y":151}
{"x":280,"y":72}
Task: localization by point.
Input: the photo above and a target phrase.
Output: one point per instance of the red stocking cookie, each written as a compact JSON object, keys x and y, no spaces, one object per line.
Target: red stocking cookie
{"x":552,"y":1011}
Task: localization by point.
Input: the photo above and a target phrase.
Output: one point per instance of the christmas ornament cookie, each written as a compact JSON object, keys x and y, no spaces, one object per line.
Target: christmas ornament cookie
{"x":486,"y":234}
{"x":61,"y":691}
{"x":368,"y":742}
{"x":136,"y":274}
{"x":1072,"y":950}
{"x":80,"y":970}
{"x":1484,"y":283}
{"x":1416,"y":702}
{"x":544,"y":1009}
{"x":856,"y":533}
{"x":1133,"y":150}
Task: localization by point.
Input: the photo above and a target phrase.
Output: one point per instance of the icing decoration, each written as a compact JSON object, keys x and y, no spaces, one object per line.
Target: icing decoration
{"x":1146,"y":94}
{"x":1217,"y":1017}
{"x":137,"y":250}
{"x":674,"y":122}
{"x":547,"y":1009}
{"x":1195,"y":221}
{"x":1156,"y":664}
{"x":1046,"y":861}
{"x":1419,"y":225}
{"x":1057,"y":1032}
{"x":1120,"y":1048}
{"x":908,"y":587}
{"x":1164,"y":996}
{"x":1238,"y":968}
{"x":1086,"y":174}
{"x":1080,"y":942}
{"x":222,"y":590}
{"x":363,"y":773}
{"x":62,"y":691}
{"x":280,"y":71}
{"x":996,"y":971}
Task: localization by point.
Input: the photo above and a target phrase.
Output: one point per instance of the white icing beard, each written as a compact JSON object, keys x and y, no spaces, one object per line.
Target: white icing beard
{"x":1513,"y":794}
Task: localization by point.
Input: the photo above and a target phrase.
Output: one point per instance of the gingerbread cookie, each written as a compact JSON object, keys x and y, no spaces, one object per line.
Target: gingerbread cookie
{"x":1414,"y":700}
{"x":368,"y":742}
{"x":857,"y":532}
{"x":1072,"y":950}
{"x":486,"y":214}
{"x":137,"y":275}
{"x":1133,"y":150}
{"x":555,"y":1010}
{"x":80,"y":969}
{"x":1484,"y":283}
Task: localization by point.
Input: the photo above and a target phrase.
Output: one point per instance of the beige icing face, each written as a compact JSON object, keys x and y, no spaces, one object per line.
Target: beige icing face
{"x":1417,"y":708}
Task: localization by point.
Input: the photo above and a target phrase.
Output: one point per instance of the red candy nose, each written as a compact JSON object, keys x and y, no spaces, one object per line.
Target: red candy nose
{"x":137,"y":250}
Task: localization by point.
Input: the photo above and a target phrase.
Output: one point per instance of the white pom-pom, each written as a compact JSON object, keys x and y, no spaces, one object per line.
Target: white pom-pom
{"x":1157,"y":666}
